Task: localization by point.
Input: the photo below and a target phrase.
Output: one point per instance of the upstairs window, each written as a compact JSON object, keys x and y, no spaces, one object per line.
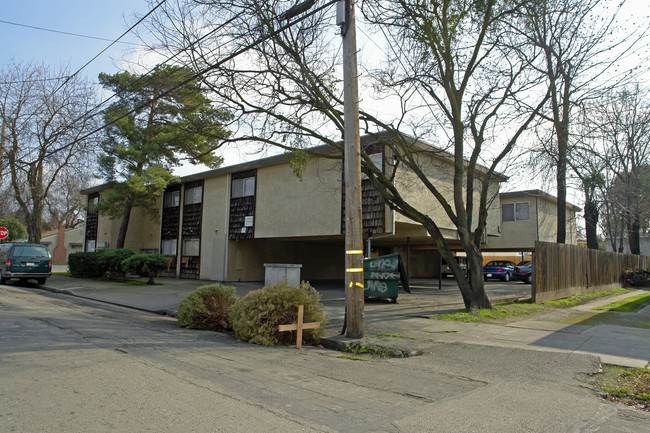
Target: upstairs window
{"x":243,"y":187}
{"x":172,"y":198}
{"x":193,"y":195}
{"x":515,"y":211}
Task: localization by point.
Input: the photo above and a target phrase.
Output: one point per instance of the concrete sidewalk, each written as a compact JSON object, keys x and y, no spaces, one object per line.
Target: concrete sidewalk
{"x":616,"y":338}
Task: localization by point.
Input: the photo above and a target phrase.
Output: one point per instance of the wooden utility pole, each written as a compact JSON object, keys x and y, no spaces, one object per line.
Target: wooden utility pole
{"x":355,"y":325}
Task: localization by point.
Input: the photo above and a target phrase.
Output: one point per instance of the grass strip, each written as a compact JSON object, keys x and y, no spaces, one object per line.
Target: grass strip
{"x":505,"y":312}
{"x":500,"y":312}
{"x":629,"y":305}
{"x":581,"y":299}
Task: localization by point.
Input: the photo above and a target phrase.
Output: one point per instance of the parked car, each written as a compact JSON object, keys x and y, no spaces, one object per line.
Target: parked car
{"x":501,"y":269}
{"x":524,"y":272}
{"x":25,"y":261}
{"x":446,"y":269}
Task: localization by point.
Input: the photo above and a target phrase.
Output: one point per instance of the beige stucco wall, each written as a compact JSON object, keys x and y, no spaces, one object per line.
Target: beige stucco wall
{"x":214,"y":228}
{"x":287,"y":206}
{"x":441,"y":174}
{"x":522,"y":234}
{"x":143,"y":231}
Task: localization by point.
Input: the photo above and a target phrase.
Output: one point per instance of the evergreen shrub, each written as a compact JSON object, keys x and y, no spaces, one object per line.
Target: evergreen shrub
{"x":208,"y":307}
{"x":110,"y":262}
{"x":146,"y":265}
{"x":257,"y":315}
{"x":84,"y":265}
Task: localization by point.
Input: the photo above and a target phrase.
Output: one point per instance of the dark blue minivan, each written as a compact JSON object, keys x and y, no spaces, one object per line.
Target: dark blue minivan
{"x":25,"y":261}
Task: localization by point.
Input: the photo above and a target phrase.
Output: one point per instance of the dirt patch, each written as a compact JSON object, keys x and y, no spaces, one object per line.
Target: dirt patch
{"x":627,"y":386}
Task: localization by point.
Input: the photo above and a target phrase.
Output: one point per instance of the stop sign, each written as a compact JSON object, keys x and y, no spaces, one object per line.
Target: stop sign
{"x":3,"y":232}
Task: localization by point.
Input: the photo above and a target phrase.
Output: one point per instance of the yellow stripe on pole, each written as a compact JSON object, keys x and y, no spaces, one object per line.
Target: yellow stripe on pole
{"x":353,"y":270}
{"x":354,"y":252}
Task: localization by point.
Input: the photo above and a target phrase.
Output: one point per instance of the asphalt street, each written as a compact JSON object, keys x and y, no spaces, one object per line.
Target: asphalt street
{"x":70,"y":364}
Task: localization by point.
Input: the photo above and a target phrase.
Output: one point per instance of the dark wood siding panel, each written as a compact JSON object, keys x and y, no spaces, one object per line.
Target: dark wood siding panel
{"x":169,"y":230}
{"x":240,"y":208}
{"x":92,"y":219}
{"x":373,"y":207}
{"x":191,"y":230}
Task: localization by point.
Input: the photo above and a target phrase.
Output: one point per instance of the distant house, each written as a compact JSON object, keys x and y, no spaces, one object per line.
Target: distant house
{"x":644,"y":243}
{"x":529,"y":216}
{"x":64,"y":242}
{"x":225,"y":224}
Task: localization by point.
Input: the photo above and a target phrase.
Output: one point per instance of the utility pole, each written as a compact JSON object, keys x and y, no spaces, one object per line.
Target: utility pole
{"x":345,"y":17}
{"x":355,"y":326}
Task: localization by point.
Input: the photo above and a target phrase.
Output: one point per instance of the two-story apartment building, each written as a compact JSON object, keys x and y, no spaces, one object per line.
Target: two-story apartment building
{"x":225,"y":224}
{"x":529,"y":216}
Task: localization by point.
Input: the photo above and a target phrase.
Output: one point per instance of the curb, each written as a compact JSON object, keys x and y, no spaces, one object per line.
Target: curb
{"x":168,"y":313}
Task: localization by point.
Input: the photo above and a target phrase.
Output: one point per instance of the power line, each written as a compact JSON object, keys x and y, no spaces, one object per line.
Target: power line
{"x":114,"y":42}
{"x":36,"y":80}
{"x":168,"y":59}
{"x":65,"y":33}
{"x":67,"y":79}
{"x":206,"y":70}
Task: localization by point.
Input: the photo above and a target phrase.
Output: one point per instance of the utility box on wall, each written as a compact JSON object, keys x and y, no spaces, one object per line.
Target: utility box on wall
{"x":277,"y":272}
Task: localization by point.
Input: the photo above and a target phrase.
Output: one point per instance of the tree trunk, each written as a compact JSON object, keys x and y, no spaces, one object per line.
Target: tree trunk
{"x":476,"y":282}
{"x":633,"y":228}
{"x":472,"y":286}
{"x":34,"y":222}
{"x":621,"y":236}
{"x":124,"y":226}
{"x":561,"y":192}
{"x":591,"y":223}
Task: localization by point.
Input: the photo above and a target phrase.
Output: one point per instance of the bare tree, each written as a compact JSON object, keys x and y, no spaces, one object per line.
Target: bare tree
{"x":624,"y":122}
{"x":457,"y":61}
{"x":581,"y":49}
{"x":65,"y":204}
{"x":43,"y":117}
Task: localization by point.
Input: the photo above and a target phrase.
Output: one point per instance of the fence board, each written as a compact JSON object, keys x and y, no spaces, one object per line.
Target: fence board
{"x":562,"y":270}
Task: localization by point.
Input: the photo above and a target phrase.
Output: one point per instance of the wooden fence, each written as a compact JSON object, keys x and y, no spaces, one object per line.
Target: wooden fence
{"x":562,"y":270}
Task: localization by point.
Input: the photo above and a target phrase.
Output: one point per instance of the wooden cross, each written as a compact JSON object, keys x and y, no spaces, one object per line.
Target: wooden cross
{"x":298,"y":327}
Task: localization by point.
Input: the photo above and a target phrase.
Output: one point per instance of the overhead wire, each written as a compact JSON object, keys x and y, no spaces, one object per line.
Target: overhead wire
{"x":70,"y":77}
{"x":206,"y":70}
{"x":114,"y":42}
{"x":45,"y":29}
{"x":35,"y":80}
{"x":399,"y":60}
{"x":90,"y":113}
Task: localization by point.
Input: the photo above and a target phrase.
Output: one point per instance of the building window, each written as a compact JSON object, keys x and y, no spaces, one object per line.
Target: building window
{"x":169,"y":247}
{"x":515,"y":211}
{"x":193,"y":195}
{"x":191,"y":247}
{"x":378,"y":160}
{"x":243,"y":187}
{"x":172,"y":198}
